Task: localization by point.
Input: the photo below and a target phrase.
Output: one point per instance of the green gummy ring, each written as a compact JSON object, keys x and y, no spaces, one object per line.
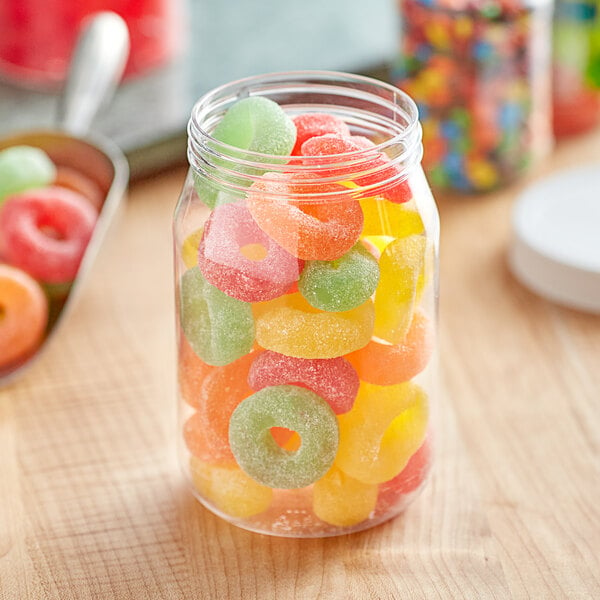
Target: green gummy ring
{"x":296,"y":408}
{"x":220,"y":329}
{"x":341,"y":284}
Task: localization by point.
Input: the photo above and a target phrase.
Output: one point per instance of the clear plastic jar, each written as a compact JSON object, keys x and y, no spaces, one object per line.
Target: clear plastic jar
{"x":480,"y":75}
{"x":306,"y":367}
{"x":576,"y":81}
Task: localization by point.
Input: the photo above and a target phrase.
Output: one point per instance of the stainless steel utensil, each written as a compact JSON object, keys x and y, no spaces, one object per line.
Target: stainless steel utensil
{"x":95,"y":71}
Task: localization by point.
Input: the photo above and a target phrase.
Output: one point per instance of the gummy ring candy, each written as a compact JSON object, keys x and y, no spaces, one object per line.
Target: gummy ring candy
{"x":219,"y":328}
{"x":402,"y":278}
{"x":189,"y":248}
{"x":23,"y":168}
{"x":332,"y":145}
{"x":265,"y":275}
{"x":340,"y":500}
{"x":310,"y":230}
{"x":340,"y":284}
{"x":309,"y":125}
{"x":385,"y":364}
{"x":23,"y":314}
{"x":295,"y":408}
{"x":76,"y":181}
{"x":333,"y":379}
{"x":289,"y":325}
{"x":230,"y":489}
{"x":45,"y":232}
{"x":407,"y":481}
{"x":191,"y":372}
{"x":383,"y":430}
{"x":386,"y":218}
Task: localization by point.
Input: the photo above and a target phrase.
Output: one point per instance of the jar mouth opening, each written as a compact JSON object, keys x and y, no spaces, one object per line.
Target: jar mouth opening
{"x":370,"y":107}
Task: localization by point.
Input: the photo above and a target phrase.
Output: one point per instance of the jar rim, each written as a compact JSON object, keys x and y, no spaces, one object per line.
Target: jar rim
{"x":396,"y":112}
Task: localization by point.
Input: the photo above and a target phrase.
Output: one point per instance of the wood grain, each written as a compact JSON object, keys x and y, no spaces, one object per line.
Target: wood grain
{"x":92,"y":503}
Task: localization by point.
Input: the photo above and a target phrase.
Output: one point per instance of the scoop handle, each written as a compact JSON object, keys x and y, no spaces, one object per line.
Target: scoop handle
{"x":96,"y":68}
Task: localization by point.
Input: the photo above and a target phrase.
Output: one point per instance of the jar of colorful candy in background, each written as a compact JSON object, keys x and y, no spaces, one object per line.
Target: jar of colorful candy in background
{"x":480,"y":75}
{"x":576,"y":85}
{"x":306,"y":242}
{"x":37,"y":37}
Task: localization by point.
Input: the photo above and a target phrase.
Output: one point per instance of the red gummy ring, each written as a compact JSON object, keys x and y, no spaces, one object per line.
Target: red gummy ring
{"x":45,"y":232}
{"x":407,"y":481}
{"x":310,"y":230}
{"x":384,"y":364}
{"x":220,"y":257}
{"x":333,"y":379}
{"x":333,"y":144}
{"x":309,"y":125}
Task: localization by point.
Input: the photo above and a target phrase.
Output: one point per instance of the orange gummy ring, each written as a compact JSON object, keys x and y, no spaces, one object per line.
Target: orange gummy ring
{"x":385,"y":364}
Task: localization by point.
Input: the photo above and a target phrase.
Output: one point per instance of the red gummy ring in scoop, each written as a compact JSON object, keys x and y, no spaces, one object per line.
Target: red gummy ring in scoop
{"x":45,"y":232}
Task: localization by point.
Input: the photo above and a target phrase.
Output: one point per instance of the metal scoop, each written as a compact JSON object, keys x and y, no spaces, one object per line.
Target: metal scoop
{"x":96,"y":68}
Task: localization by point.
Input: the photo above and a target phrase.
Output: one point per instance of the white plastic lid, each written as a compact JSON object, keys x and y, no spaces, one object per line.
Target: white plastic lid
{"x":556,"y":238}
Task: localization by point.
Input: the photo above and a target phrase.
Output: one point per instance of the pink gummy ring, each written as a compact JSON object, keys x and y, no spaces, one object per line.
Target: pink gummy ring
{"x":221,"y":259}
{"x":309,"y":229}
{"x":45,"y":232}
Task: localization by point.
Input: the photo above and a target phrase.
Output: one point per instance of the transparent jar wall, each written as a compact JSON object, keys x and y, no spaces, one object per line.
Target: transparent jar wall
{"x":373,"y":364}
{"x":481,"y":80}
{"x":576,"y":70}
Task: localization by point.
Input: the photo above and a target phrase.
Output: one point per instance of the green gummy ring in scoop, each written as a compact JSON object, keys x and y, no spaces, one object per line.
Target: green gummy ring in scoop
{"x":23,"y":168}
{"x":220,"y":329}
{"x":295,"y":408}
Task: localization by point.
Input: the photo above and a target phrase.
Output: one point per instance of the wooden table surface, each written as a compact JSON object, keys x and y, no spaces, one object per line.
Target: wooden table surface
{"x":93,"y":505}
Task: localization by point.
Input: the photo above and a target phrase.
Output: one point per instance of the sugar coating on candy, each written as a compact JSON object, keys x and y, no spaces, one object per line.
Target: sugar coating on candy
{"x":340,"y":284}
{"x":309,"y":125}
{"x":402,"y":278}
{"x":23,"y":314}
{"x":257,"y":124}
{"x":220,"y":329}
{"x":340,"y":500}
{"x":207,"y":432}
{"x":289,"y":325}
{"x":191,"y":372}
{"x":222,"y":260}
{"x":189,"y":248}
{"x":386,"y":218}
{"x":45,"y":232}
{"x":23,"y":168}
{"x":309,"y":229}
{"x":328,"y":149}
{"x":333,"y":379}
{"x":295,"y":408}
{"x":387,"y":364}
{"x":385,"y":427}
{"x":407,"y":481}
{"x":230,"y":489}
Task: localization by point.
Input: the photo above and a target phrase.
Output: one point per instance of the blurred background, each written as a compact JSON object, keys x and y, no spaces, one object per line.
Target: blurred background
{"x":179,"y":50}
